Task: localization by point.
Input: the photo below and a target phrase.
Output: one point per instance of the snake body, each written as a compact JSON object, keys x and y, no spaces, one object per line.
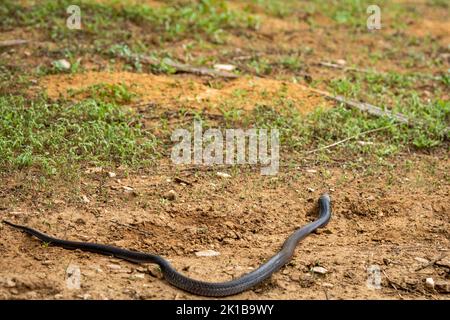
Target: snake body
{"x":219,"y":289}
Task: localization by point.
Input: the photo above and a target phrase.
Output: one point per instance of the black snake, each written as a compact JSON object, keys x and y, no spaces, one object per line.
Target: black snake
{"x":203,"y":288}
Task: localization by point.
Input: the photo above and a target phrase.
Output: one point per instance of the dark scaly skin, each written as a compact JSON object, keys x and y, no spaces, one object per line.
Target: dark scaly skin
{"x":219,"y":289}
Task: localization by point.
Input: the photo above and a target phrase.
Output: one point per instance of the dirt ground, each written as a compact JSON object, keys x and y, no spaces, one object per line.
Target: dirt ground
{"x":395,"y":220}
{"x":189,"y":91}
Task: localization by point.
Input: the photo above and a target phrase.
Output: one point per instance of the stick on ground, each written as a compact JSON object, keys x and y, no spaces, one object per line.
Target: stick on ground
{"x":349,"y":138}
{"x":181,"y":67}
{"x":362,"y":106}
{"x":10,"y":43}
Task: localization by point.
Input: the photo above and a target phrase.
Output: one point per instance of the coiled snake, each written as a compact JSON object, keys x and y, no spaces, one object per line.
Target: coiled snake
{"x":202,"y":288}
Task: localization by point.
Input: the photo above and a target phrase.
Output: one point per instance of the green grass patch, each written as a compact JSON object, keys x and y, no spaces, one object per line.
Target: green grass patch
{"x":205,"y":18}
{"x":107,"y":93}
{"x":324,"y":127}
{"x":51,"y":136}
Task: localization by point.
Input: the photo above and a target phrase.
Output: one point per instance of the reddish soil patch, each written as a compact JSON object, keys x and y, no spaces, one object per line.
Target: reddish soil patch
{"x":438,"y":29}
{"x":388,"y":219}
{"x":176,"y":91}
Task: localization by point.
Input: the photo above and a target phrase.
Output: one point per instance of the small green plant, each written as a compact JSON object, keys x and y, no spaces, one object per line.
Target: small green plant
{"x":232,"y":115}
{"x":293,"y":63}
{"x":275,"y":8}
{"x":261,"y":66}
{"x":107,"y":93}
{"x":345,"y":87}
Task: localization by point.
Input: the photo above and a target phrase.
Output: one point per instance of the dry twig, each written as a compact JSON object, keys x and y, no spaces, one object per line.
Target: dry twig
{"x":349,"y":138}
{"x":10,"y":43}
{"x":432,"y":262}
{"x":181,"y":67}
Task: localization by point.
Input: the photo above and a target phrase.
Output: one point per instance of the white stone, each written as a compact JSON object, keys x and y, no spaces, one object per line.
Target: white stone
{"x":114,"y":266}
{"x":319,"y":270}
{"x":365,"y":143}
{"x":62,"y":64}
{"x":223,"y":175}
{"x":429,"y":283}
{"x":171,"y":195}
{"x":207,"y":253}
{"x":224,"y":67}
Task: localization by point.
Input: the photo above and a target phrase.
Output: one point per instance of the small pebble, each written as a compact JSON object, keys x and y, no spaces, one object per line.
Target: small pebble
{"x":207,"y":253}
{"x":10,"y":283}
{"x":85,"y":199}
{"x":429,"y":283}
{"x":223,"y":175}
{"x":62,"y":64}
{"x":141,"y":269}
{"x":114,"y":266}
{"x":138,"y":276}
{"x":47,"y":263}
{"x":319,"y":270}
{"x":224,"y":67}
{"x":365,"y":143}
{"x":171,"y":195}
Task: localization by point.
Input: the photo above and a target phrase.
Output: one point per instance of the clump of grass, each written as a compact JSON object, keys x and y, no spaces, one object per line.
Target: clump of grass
{"x":52,"y":136}
{"x":279,"y":9}
{"x":107,"y":93}
{"x":134,"y":60}
{"x":260,"y":66}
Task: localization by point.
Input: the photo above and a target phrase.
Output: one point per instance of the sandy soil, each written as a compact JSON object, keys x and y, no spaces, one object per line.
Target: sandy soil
{"x":395,"y":220}
{"x":187,"y":91}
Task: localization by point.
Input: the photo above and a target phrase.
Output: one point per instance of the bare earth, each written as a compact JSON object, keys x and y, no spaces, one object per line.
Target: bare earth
{"x":389,"y":219}
{"x":395,"y":220}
